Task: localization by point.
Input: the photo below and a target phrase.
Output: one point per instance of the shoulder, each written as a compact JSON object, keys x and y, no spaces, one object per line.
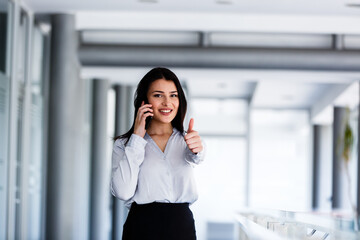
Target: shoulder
{"x":133,"y":141}
{"x":179,"y":137}
{"x":177,"y":133}
{"x":120,"y":142}
{"x":123,"y":142}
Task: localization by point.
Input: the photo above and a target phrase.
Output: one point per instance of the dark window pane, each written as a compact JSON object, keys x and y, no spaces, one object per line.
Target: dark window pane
{"x":3,"y":38}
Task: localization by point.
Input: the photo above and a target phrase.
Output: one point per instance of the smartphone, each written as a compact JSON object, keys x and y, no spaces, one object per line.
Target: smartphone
{"x":148,"y":119}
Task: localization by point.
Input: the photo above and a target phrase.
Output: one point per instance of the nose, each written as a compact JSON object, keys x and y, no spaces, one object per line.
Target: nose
{"x":166,"y":101}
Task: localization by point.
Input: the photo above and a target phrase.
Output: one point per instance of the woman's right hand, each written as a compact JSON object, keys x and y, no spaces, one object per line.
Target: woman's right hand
{"x":144,"y":111}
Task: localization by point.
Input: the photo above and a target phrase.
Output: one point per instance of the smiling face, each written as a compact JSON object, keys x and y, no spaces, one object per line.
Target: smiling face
{"x":163,"y":96}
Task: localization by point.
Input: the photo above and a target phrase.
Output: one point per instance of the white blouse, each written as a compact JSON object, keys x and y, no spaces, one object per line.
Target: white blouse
{"x":141,"y":172}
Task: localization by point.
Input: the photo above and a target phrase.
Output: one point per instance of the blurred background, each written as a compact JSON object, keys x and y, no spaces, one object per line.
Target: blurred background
{"x":270,"y":84}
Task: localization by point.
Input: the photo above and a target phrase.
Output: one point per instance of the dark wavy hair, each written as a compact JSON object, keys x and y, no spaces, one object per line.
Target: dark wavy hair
{"x":141,"y":95}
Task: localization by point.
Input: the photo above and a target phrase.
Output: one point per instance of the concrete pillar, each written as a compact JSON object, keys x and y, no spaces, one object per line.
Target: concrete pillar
{"x":338,"y":184}
{"x":123,"y":122}
{"x":100,"y":165}
{"x":67,"y":175}
{"x":322,"y":167}
{"x":358,"y":161}
{"x":316,"y":163}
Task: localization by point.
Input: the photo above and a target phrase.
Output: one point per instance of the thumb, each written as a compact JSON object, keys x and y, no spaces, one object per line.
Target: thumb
{"x":191,"y":125}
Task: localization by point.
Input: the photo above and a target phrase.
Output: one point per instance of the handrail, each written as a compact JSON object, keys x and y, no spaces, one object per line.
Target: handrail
{"x":299,"y":225}
{"x":254,"y":231}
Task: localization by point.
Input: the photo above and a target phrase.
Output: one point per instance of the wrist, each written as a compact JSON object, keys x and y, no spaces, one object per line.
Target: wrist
{"x":139,"y":134}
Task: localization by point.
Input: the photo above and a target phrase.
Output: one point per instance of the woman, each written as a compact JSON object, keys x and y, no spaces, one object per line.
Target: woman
{"x":152,"y":163}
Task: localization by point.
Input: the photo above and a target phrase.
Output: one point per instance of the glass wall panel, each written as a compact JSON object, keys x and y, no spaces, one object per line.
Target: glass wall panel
{"x":353,"y":162}
{"x":221,"y":186}
{"x":221,"y":179}
{"x":220,"y":116}
{"x":280,"y":164}
{"x":3,"y":34}
{"x":4,"y":127}
{"x":20,"y":75}
{"x":4,"y":113}
{"x":37,"y":143}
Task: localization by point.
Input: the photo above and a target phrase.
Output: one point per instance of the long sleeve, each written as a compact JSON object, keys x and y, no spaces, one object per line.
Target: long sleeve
{"x":195,"y":158}
{"x":143,"y":173}
{"x":126,"y":161}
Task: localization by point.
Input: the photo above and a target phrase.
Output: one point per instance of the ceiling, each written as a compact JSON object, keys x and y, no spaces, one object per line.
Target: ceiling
{"x":267,"y":89}
{"x":307,"y":7}
{"x":320,"y":16}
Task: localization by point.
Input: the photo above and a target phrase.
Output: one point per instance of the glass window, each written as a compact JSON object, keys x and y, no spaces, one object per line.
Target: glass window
{"x":20,"y":75}
{"x":36,"y":160}
{"x":219,"y":116}
{"x":4,"y":113}
{"x":353,"y":163}
{"x":4,"y":126}
{"x":280,"y":159}
{"x":221,"y":179}
{"x":3,"y":34}
{"x":221,"y":183}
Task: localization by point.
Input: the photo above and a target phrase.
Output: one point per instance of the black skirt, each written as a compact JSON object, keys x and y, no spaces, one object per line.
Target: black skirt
{"x":159,"y":221}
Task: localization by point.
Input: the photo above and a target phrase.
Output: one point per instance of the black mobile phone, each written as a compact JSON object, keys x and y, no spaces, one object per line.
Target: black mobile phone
{"x":148,"y":119}
{"x":147,"y":122}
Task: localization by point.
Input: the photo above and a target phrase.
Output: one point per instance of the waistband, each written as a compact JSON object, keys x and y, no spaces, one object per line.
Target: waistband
{"x":134,"y":205}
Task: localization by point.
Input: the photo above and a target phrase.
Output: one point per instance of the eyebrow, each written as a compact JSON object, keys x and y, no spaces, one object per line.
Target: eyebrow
{"x":163,"y":92}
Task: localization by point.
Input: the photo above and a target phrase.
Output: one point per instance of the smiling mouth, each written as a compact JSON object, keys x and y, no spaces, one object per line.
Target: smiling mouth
{"x":166,"y":111}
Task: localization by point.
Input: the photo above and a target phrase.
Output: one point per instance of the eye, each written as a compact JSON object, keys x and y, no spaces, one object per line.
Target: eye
{"x":173,"y":95}
{"x":157,"y":95}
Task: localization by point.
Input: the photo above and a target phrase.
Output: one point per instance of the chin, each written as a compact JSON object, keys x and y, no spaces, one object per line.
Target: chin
{"x":165,"y":120}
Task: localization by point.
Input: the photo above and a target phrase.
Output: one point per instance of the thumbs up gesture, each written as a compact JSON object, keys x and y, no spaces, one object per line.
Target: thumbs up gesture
{"x":193,"y":139}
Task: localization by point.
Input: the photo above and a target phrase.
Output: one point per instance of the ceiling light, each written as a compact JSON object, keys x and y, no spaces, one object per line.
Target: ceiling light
{"x":224,"y":1}
{"x":163,"y":38}
{"x":353,"y":4}
{"x":275,"y":40}
{"x":149,"y":1}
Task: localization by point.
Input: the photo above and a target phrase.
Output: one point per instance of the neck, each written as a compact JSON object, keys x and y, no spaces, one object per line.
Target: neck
{"x":157,"y":128}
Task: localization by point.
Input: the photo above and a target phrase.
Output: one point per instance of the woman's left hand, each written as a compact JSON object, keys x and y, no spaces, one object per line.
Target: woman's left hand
{"x":193,"y":139}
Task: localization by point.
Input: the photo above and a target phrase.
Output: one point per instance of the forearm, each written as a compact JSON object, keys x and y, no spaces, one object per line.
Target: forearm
{"x":195,"y":158}
{"x":126,"y":166}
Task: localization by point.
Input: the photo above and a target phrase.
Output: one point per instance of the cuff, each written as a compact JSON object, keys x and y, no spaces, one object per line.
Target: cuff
{"x":136,"y":141}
